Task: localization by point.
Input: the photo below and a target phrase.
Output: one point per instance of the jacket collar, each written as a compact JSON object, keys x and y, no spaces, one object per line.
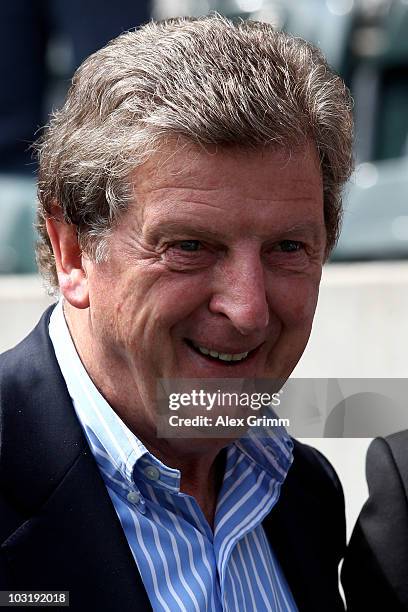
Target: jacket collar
{"x":68,"y":535}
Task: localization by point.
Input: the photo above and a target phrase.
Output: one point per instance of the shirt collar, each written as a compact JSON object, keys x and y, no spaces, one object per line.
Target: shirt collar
{"x":93,"y":411}
{"x":270,"y":449}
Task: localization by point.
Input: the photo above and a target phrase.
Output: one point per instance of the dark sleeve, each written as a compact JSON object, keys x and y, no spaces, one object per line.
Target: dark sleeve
{"x":375,"y":569}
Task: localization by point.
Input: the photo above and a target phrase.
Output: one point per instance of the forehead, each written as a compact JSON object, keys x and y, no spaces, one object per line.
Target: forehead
{"x":225,"y":186}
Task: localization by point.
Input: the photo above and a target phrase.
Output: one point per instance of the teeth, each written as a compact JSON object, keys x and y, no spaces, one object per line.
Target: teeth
{"x":239,"y":356}
{"x":222,"y":356}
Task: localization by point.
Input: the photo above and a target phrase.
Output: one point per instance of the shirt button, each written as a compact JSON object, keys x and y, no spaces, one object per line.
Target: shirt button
{"x":133,"y":497}
{"x":152,"y":473}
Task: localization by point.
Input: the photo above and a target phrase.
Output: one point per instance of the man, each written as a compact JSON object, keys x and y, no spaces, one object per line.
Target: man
{"x":189,"y":194}
{"x":374,"y":572}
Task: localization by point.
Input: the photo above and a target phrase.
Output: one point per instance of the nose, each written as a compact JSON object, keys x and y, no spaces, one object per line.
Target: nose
{"x":240,"y":294}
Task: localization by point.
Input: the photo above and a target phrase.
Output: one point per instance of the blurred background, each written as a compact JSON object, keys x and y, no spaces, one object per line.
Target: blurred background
{"x":361,"y":325}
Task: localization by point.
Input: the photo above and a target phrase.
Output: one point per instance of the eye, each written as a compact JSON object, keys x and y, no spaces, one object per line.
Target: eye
{"x":290,"y":246}
{"x":188,"y":255}
{"x":189,"y":245}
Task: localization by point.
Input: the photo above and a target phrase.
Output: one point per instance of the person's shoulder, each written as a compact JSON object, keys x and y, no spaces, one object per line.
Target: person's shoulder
{"x":397,"y":444}
{"x":386,"y":456}
{"x":23,"y":370}
{"x":311,"y":466}
{"x":387,"y":479}
{"x":374,"y":570}
{"x":39,"y":432}
{"x":312,"y":484}
{"x":25,"y":354}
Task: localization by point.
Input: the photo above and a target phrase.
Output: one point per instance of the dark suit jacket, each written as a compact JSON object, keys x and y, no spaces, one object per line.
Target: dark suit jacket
{"x":58,"y":527}
{"x":375,"y":570}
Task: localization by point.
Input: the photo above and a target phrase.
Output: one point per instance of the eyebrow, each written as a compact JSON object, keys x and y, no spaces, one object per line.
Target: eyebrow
{"x":311,"y":228}
{"x":164,"y":228}
{"x":172,"y":227}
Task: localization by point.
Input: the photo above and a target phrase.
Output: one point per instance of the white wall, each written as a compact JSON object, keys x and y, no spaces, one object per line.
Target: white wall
{"x":361,"y":324}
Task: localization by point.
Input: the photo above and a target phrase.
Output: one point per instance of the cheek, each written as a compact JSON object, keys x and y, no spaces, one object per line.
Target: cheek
{"x":174,"y":297}
{"x":147,"y":306}
{"x":117,"y":305}
{"x":294,"y":302}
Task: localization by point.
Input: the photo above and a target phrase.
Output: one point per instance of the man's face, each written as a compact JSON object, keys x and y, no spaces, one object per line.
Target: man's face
{"x":213,"y":271}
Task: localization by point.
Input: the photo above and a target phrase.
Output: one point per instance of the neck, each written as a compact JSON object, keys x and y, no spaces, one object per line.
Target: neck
{"x":202,"y":472}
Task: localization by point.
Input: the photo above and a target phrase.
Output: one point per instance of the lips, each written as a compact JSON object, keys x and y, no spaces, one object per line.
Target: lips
{"x":221,"y":356}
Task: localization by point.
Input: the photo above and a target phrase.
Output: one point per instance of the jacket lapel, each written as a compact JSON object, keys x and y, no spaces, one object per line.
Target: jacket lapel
{"x":63,"y":532}
{"x":75,"y":543}
{"x":306,"y":537}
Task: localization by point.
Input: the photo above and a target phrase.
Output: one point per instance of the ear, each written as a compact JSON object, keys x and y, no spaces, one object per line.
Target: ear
{"x":72,"y":278}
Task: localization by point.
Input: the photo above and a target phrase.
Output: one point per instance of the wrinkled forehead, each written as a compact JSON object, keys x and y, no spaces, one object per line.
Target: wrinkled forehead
{"x":216,"y":188}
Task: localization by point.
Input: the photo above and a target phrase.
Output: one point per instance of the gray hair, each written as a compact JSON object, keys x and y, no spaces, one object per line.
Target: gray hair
{"x":207,"y":81}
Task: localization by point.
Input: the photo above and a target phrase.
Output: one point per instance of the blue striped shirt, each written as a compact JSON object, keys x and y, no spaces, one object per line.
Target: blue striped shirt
{"x":184,"y":564}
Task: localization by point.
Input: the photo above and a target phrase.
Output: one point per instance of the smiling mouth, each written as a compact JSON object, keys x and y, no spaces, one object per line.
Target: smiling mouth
{"x":225,"y":358}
